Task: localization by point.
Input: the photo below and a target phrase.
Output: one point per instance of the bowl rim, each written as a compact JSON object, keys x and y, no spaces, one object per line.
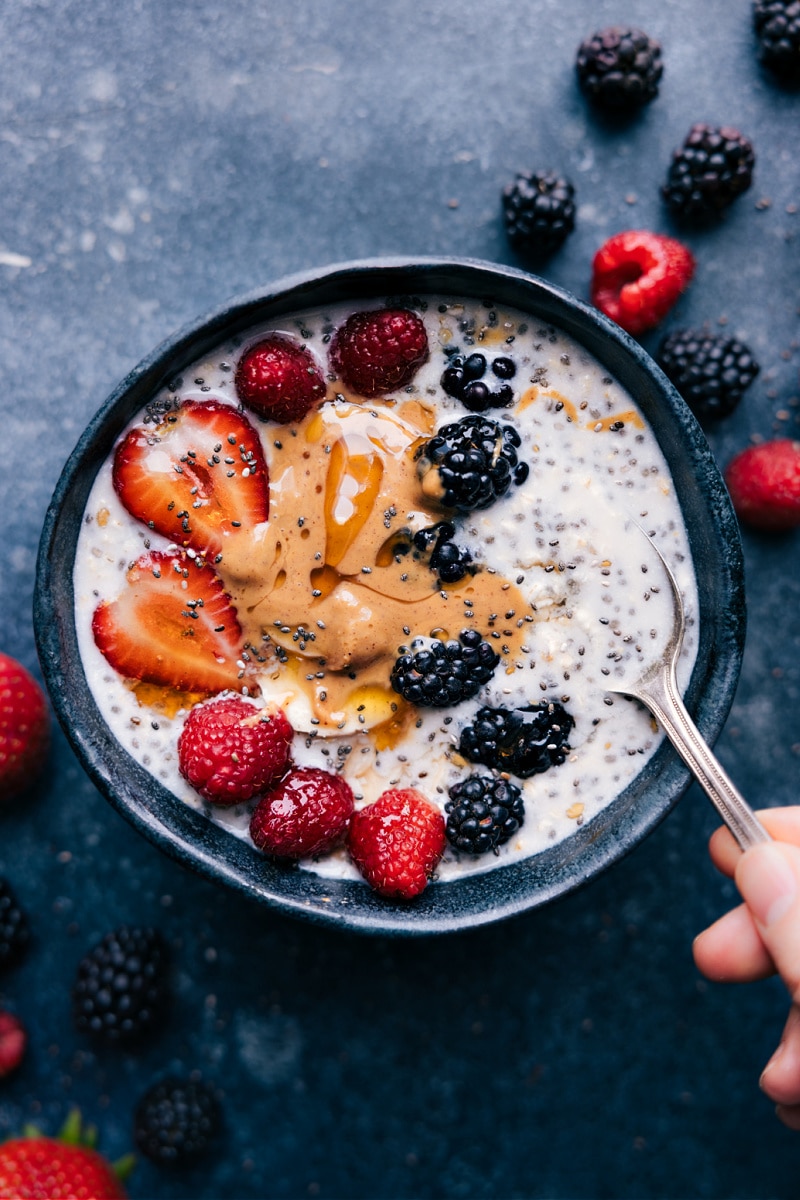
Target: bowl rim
{"x":189,"y":836}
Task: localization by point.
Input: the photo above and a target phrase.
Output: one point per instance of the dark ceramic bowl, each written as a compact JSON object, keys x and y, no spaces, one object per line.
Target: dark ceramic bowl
{"x":476,"y":900}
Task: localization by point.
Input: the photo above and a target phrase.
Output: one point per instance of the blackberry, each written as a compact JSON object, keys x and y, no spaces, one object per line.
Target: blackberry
{"x":449,"y":561}
{"x":777,"y":23}
{"x":707,"y":173}
{"x":539,"y":213}
{"x":463,"y":379}
{"x":13,"y":927}
{"x":445,"y":673}
{"x":619,"y":69}
{"x":175,"y":1121}
{"x":523,"y":741}
{"x":470,"y":463}
{"x":483,"y":813}
{"x":120,"y":986}
{"x":711,"y":373}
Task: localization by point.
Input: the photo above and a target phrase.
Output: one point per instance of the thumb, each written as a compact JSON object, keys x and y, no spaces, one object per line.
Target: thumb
{"x":768,"y":877}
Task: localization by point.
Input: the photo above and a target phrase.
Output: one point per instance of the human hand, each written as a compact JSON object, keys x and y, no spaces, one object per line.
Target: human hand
{"x":762,"y":936}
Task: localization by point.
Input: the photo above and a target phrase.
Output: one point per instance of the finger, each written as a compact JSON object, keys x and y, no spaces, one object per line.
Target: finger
{"x":731,"y":950}
{"x":780,"y":1079}
{"x":782,"y":823}
{"x":790,"y":1115}
{"x":768,"y":877}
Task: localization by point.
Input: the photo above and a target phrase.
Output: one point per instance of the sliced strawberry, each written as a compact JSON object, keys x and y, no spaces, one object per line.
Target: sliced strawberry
{"x":199,"y":477}
{"x":173,"y":625}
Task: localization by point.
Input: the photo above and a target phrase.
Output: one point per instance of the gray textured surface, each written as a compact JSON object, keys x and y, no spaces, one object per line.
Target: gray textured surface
{"x":159,"y":158}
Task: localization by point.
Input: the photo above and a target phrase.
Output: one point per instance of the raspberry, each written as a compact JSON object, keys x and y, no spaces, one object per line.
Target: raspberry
{"x":120,"y":986}
{"x":470,"y":463}
{"x":230,"y":750}
{"x":764,"y":483}
{"x":619,"y":69}
{"x":523,"y":741}
{"x":708,"y":172}
{"x":710,"y":372}
{"x":24,"y":728}
{"x":637,"y":277}
{"x":777,"y":23}
{"x":306,"y":815}
{"x":397,"y":842}
{"x":175,"y":1121}
{"x":379,"y":351}
{"x":14,"y":934}
{"x":483,"y":813}
{"x":279,"y":379}
{"x":539,"y":213}
{"x":13,"y":1040}
{"x":445,"y":673}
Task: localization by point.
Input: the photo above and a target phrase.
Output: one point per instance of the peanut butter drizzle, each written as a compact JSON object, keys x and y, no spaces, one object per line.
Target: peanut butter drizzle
{"x":328,"y":582}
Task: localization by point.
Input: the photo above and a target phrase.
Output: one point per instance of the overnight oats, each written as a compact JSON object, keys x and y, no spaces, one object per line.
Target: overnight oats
{"x":357,"y":583}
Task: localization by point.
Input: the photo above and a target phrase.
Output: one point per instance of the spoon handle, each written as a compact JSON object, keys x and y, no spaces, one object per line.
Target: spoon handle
{"x":660,"y":694}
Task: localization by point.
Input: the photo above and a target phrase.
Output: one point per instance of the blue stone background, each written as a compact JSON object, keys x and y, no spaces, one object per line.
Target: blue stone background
{"x":158,"y":157}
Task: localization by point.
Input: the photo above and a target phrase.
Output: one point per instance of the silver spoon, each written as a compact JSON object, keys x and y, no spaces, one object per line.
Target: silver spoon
{"x":657,"y":688}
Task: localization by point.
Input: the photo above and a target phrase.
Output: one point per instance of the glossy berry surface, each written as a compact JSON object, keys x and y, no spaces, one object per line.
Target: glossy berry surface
{"x":41,"y":1168}
{"x":764,"y":484}
{"x":279,"y":379}
{"x":712,"y":373}
{"x":712,"y":167}
{"x":445,"y":673}
{"x":539,"y":213}
{"x":464,"y":379}
{"x":120,"y":986}
{"x":231,"y":750}
{"x":13,"y":1040}
{"x":379,"y":351}
{"x":637,"y":277}
{"x":397,"y":842}
{"x":523,"y":741}
{"x":175,"y":1121}
{"x":470,"y":463}
{"x":24,"y":728}
{"x":483,"y":812}
{"x":619,"y":69}
{"x":304,"y":815}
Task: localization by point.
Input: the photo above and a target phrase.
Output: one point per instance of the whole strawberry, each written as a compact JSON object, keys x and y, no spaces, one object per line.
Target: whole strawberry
{"x":64,"y":1168}
{"x":637,"y":276}
{"x":24,"y":728}
{"x":379,"y":351}
{"x":230,"y":750}
{"x":306,"y":814}
{"x":397,"y":842}
{"x":764,"y":483}
{"x":279,"y":379}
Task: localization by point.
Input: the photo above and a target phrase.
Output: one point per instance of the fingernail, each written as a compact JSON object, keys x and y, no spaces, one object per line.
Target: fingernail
{"x":767,"y":882}
{"x":772,"y":1062}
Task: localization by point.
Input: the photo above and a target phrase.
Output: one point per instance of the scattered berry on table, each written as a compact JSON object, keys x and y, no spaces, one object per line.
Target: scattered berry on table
{"x":121,"y":985}
{"x":777,"y":23}
{"x":637,"y":277}
{"x":764,"y":484}
{"x":199,"y":477}
{"x":711,"y":372}
{"x":470,"y":463}
{"x":230,"y":750}
{"x":34,"y":1167}
{"x":445,"y":673}
{"x":175,"y":1121}
{"x":619,"y":69}
{"x":24,"y":729}
{"x":13,"y":1040}
{"x":712,"y":167}
{"x":463,"y":378}
{"x":379,"y":350}
{"x":304,"y":815}
{"x":483,"y":812}
{"x":539,"y":212}
{"x":396,"y":842}
{"x":279,"y":379}
{"x":14,"y":935}
{"x":173,"y":624}
{"x":523,"y":741}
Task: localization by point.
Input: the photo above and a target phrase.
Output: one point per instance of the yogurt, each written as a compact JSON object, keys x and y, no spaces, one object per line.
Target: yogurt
{"x":564,"y":586}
